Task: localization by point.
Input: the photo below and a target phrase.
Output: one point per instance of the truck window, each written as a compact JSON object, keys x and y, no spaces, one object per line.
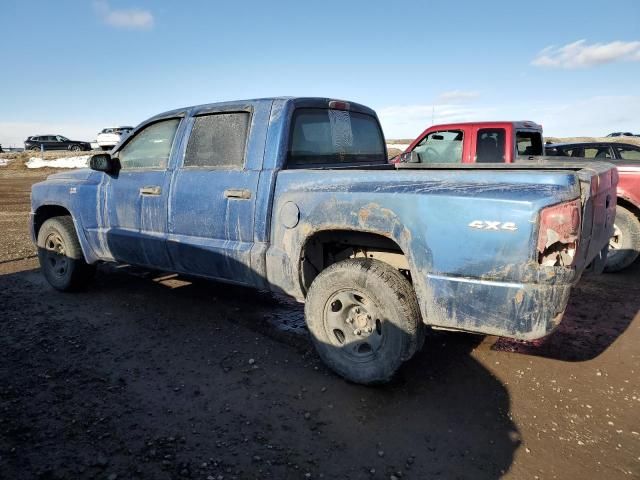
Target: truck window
{"x":490,"y":145}
{"x":151,"y":146}
{"x":218,"y":141}
{"x":444,"y":146}
{"x":528,"y":143}
{"x":323,"y":136}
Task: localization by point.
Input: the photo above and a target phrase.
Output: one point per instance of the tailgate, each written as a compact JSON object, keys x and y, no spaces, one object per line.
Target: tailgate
{"x":598,"y":181}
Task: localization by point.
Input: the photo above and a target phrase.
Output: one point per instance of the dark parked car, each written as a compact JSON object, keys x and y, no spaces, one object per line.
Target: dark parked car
{"x":55,"y":142}
{"x":599,"y":150}
{"x":621,"y":134}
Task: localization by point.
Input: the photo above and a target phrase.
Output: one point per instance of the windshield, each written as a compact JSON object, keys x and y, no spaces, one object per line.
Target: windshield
{"x":323,"y":136}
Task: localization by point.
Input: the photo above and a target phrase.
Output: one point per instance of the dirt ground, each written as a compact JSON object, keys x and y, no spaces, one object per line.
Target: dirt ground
{"x":146,"y":375}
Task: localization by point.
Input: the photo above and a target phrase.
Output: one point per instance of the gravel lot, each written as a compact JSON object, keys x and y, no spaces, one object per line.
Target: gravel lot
{"x":148,"y":375}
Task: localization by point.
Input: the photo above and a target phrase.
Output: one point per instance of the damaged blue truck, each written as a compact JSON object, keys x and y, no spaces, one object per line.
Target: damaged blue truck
{"x":295,"y":196}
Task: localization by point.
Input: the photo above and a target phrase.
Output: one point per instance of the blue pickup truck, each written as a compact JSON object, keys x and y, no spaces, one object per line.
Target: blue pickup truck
{"x":295,"y":196}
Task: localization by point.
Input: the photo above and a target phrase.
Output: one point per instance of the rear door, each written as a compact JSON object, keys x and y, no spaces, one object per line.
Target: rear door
{"x":212,"y":204}
{"x":490,"y":145}
{"x":50,"y":142}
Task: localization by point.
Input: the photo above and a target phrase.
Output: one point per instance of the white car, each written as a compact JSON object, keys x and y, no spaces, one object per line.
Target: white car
{"x":110,"y":137}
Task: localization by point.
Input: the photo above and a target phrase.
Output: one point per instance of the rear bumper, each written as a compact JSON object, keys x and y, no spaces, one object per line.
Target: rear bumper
{"x":524,"y":311}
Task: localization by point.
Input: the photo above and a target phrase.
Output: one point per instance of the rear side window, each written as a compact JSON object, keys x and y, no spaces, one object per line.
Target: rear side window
{"x":576,"y":152}
{"x":490,"y":145}
{"x":597,"y":152}
{"x":218,"y":141}
{"x":528,"y":143}
{"x":628,"y":153}
{"x":332,"y":137}
{"x":444,"y":146}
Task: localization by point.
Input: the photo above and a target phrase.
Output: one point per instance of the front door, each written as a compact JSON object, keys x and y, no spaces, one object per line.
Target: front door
{"x":135,"y":200}
{"x":51,"y":143}
{"x":212,"y":206}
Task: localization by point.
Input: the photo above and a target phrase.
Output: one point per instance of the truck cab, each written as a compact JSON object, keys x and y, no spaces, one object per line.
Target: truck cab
{"x":477,"y":142}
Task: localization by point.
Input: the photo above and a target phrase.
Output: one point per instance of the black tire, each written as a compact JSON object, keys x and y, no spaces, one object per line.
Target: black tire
{"x":624,"y":246}
{"x":61,"y":257}
{"x":34,"y":149}
{"x":76,"y":148}
{"x":370,"y":297}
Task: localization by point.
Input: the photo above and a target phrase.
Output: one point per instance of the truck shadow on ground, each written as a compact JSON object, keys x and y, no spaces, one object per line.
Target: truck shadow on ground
{"x":156,"y":376}
{"x":595,"y":317}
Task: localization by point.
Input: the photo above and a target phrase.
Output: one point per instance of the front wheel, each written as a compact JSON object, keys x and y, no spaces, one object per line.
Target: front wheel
{"x":624,"y":245}
{"x":76,"y":148}
{"x":61,"y":257}
{"x":364,"y":319}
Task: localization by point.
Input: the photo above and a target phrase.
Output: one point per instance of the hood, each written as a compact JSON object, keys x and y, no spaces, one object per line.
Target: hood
{"x":79,"y":174}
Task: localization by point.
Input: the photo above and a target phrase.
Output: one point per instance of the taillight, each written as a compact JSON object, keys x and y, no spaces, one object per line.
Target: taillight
{"x":559,"y":232}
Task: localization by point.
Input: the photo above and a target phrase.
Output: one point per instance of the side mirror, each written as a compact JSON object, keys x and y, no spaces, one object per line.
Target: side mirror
{"x":409,"y":157}
{"x":104,"y":162}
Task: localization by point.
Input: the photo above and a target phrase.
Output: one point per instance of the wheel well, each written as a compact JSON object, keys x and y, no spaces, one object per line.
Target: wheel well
{"x":46,"y":212}
{"x":623,"y":202}
{"x":328,"y":247}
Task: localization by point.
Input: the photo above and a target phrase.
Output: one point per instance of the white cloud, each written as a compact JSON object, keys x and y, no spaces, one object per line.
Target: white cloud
{"x":581,"y":55}
{"x":13,"y":134}
{"x":591,"y":117}
{"x":456,"y":96}
{"x":132,"y":18}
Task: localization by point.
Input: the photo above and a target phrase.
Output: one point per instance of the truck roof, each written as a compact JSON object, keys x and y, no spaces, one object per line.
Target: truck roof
{"x":299,"y":102}
{"x":514,"y":123}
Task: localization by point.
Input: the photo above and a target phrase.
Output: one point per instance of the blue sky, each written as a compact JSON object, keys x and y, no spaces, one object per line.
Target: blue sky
{"x":74,"y":67}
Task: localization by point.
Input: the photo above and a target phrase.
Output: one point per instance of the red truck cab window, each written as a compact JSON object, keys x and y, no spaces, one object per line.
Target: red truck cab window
{"x":490,"y":145}
{"x":528,"y":143}
{"x":444,"y":146}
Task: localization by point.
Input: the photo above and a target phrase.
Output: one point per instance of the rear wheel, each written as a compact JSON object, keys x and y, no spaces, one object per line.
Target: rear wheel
{"x":624,"y":245}
{"x":364,"y":319}
{"x":61,"y":257}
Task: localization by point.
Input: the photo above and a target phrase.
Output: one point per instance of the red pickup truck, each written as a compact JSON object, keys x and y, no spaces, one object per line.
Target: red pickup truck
{"x":491,"y":142}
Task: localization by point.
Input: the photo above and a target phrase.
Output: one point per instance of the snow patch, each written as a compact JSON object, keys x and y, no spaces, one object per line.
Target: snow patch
{"x":4,"y":162}
{"x":399,"y":146}
{"x":67,"y":162}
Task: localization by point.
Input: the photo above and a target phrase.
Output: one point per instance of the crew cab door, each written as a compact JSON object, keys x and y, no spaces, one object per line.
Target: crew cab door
{"x":134,"y":203}
{"x":213,"y":198}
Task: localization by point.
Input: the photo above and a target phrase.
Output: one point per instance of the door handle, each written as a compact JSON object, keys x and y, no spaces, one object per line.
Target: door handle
{"x":242,"y":194}
{"x":150,"y":190}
